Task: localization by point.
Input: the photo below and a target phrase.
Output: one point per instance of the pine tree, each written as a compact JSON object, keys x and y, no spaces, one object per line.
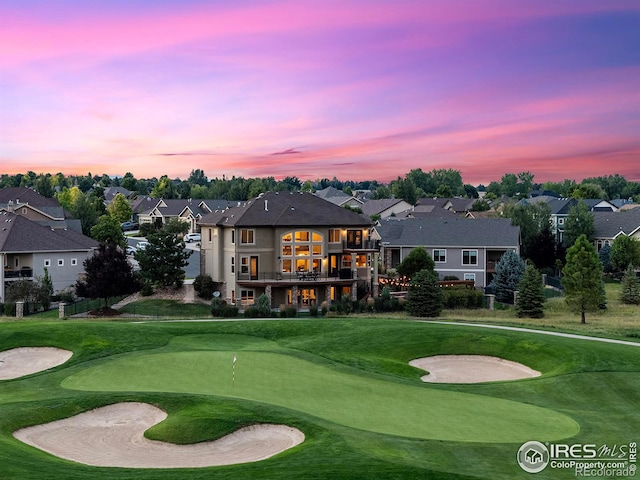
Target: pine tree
{"x":531,"y":294}
{"x":630,"y":293}
{"x":509,"y":271}
{"x":424,"y":297}
{"x":582,"y":278}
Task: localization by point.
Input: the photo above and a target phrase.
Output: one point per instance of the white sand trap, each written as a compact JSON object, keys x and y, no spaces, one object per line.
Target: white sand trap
{"x":471,"y":369}
{"x":112,"y":436}
{"x":22,"y":361}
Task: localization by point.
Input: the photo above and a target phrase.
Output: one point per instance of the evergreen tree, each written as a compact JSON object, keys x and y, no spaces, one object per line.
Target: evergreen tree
{"x":425,"y":297}
{"x":509,"y":271}
{"x":582,"y":278}
{"x":605,"y":258}
{"x":530,"y":294}
{"x":108,"y":274}
{"x":630,"y":293}
{"x":163,"y":260}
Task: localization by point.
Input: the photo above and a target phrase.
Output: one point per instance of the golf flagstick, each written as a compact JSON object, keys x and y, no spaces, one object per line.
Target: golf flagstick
{"x":233,"y":370}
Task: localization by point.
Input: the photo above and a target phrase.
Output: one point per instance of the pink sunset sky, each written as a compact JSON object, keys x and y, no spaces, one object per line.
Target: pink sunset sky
{"x":357,"y":89}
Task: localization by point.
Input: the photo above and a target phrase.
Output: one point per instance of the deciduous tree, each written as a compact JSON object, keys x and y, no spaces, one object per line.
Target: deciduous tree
{"x":418,"y":259}
{"x":108,"y":274}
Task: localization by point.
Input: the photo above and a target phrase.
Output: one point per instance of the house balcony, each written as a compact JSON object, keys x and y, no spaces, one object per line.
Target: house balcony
{"x":24,"y":273}
{"x":362,"y":246}
{"x":337,"y":276}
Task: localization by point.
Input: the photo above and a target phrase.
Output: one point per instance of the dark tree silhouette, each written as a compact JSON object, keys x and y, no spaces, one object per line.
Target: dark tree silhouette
{"x":108,"y":274}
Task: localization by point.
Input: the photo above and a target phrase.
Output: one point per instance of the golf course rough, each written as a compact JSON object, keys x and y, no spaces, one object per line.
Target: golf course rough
{"x":346,"y":398}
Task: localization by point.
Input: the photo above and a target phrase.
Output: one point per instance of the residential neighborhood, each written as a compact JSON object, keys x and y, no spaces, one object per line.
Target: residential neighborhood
{"x":300,"y":249}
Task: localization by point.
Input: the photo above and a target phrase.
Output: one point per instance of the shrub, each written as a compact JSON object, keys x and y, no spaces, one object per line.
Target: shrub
{"x":9,"y":309}
{"x":230,"y":311}
{"x":204,"y":286}
{"x":450,"y":277}
{"x":460,"y":297}
{"x":147,"y":289}
{"x":217,"y":307}
{"x":290,"y":311}
{"x":313,"y":310}
{"x":251,"y":312}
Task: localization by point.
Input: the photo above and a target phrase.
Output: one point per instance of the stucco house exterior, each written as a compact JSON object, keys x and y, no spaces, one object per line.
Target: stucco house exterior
{"x":297,"y":248}
{"x":186,"y":210}
{"x":464,"y":248}
{"x":27,"y":248}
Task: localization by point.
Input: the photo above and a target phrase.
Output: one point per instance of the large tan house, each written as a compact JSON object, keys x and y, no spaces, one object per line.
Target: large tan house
{"x":295,"y":247}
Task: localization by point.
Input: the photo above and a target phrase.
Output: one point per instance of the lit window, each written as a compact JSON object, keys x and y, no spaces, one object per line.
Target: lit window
{"x":247,"y":237}
{"x":334,"y":235}
{"x":247,"y":297}
{"x":302,"y":236}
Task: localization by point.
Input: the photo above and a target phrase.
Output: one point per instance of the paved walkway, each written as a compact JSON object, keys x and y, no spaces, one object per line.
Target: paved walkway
{"x":542,"y":332}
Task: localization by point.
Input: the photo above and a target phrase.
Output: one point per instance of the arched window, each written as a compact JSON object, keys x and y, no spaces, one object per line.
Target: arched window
{"x":301,"y":251}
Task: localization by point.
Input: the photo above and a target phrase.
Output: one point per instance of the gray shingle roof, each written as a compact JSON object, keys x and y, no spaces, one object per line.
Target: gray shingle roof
{"x":373,"y":207}
{"x":26,"y":195}
{"x":450,"y":232}
{"x":286,"y":209}
{"x":610,"y":224}
{"x":19,"y":234}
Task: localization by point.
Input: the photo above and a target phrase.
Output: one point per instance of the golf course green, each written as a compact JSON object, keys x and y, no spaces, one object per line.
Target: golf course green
{"x":345,"y":383}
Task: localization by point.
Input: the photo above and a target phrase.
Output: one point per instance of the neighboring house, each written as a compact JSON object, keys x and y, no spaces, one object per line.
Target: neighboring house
{"x":111,"y":192}
{"x":427,"y":211}
{"x":30,"y":204}
{"x":297,"y":248}
{"x":27,"y":248}
{"x":560,"y":208}
{"x":456,"y":205}
{"x":465,"y":248}
{"x":189,"y":210}
{"x":385,"y":207}
{"x":607,"y":226}
{"x":338,"y":197}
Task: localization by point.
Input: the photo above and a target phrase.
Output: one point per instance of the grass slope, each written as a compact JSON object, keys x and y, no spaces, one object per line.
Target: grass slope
{"x":594,"y":385}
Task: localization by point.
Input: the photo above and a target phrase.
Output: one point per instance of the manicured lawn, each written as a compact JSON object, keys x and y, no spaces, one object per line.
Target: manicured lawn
{"x":344,"y":382}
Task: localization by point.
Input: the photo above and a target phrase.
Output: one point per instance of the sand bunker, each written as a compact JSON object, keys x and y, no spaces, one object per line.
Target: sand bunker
{"x":471,"y":369}
{"x":112,"y":436}
{"x":22,"y":361}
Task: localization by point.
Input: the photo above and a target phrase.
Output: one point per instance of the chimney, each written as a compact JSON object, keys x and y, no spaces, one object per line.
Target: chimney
{"x":10,"y":206}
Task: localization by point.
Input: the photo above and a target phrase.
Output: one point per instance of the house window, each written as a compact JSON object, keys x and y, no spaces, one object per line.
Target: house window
{"x":47,"y":263}
{"x":247,"y":297}
{"x":334,"y":235}
{"x":301,"y":250}
{"x":61,"y":262}
{"x":233,"y":264}
{"x":24,"y":211}
{"x":17,"y":262}
{"x":561,"y":221}
{"x":247,"y":236}
{"x":361,"y":260}
{"x":440,"y":256}
{"x":244,"y":264}
{"x":470,"y":257}
{"x":233,"y":237}
{"x":74,"y":262}
{"x":470,"y":277}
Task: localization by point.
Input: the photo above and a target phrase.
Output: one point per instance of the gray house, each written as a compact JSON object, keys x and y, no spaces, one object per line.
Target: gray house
{"x":464,"y":248}
{"x":607,"y":226}
{"x":27,"y":248}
